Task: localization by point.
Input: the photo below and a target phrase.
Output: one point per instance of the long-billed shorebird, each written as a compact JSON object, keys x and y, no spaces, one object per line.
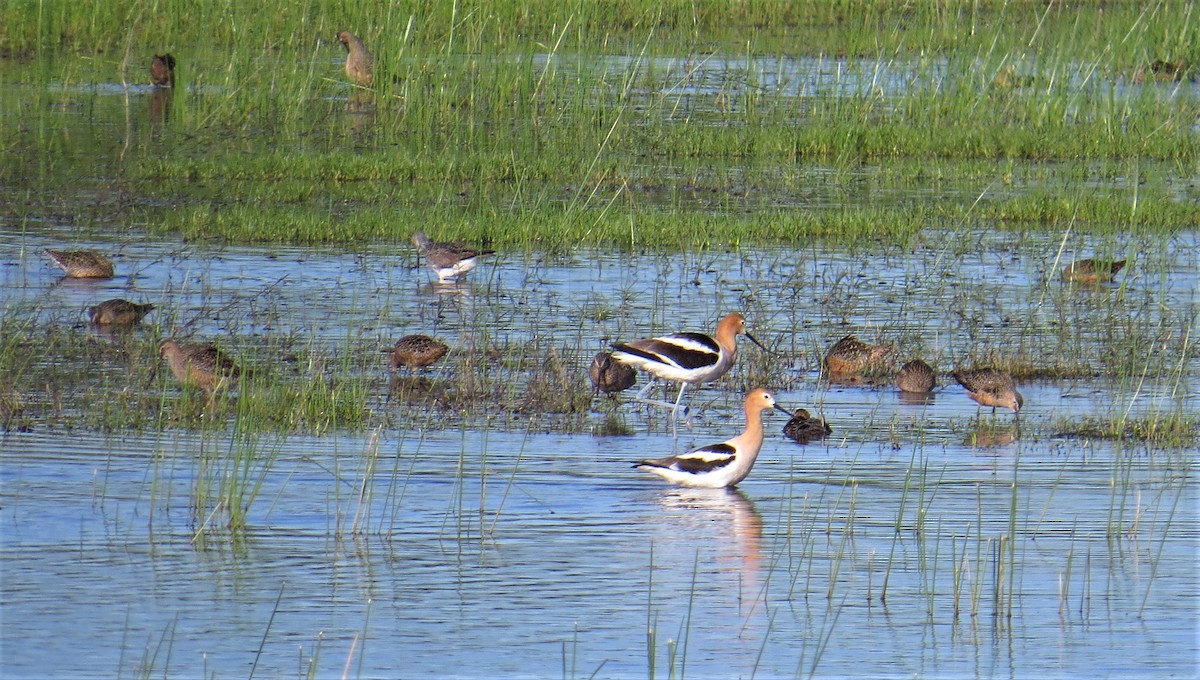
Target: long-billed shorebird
{"x":803,"y":428}
{"x":1091,"y":271}
{"x":609,"y":375}
{"x":360,"y":65}
{"x":851,"y":356}
{"x":719,"y":465}
{"x":991,"y":387}
{"x":200,"y":365}
{"x":118,"y":312}
{"x":416,"y":351}
{"x":82,"y":264}
{"x":916,"y":377}
{"x":447,"y":259}
{"x":685,"y":358}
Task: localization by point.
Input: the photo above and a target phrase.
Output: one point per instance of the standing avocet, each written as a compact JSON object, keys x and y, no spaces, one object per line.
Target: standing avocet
{"x":719,"y":465}
{"x":685,"y":358}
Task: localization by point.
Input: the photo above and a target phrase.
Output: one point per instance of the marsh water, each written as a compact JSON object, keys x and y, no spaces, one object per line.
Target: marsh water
{"x":922,"y":538}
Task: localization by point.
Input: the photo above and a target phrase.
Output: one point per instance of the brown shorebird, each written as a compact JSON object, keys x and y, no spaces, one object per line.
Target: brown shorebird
{"x":916,"y":376}
{"x":719,"y":465}
{"x":991,"y":387}
{"x":1091,"y":271}
{"x":360,"y":65}
{"x":685,"y":358}
{"x":1164,"y":71}
{"x":118,"y":312}
{"x":447,"y":259}
{"x":82,"y":264}
{"x":609,"y":375}
{"x":803,"y":428}
{"x":162,"y":70}
{"x":850,"y":356}
{"x":416,"y":351}
{"x":200,"y":365}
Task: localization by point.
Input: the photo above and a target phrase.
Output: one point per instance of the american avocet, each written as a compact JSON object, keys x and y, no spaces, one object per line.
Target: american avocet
{"x":360,"y":65}
{"x":200,"y":365}
{"x":416,"y":351}
{"x":803,"y":428}
{"x":447,"y":259}
{"x":82,"y":264}
{"x":118,"y":312}
{"x":851,"y":356}
{"x":609,"y":375}
{"x":917,"y":377}
{"x":685,"y":358}
{"x":1091,"y":271}
{"x":991,"y":387}
{"x":162,"y":70}
{"x":719,"y":465}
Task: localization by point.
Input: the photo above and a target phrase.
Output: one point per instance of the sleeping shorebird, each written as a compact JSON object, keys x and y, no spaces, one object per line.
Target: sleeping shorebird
{"x":990,"y":387}
{"x":685,"y":358}
{"x":719,"y":465}
{"x":200,"y":365}
{"x":803,"y":428}
{"x":162,"y":70}
{"x":1091,"y":271}
{"x":82,"y":264}
{"x":118,"y":312}
{"x":416,"y":351}
{"x":360,"y":65}
{"x":447,"y":259}
{"x":609,"y":375}
{"x":916,"y":377}
{"x":851,"y":356}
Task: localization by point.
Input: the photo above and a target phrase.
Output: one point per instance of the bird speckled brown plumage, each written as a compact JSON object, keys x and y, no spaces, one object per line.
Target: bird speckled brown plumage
{"x":416,"y":351}
{"x":447,"y":259}
{"x":118,"y":312}
{"x":917,"y":377}
{"x":850,"y":356}
{"x":200,"y":365}
{"x":162,"y":70}
{"x":991,"y":387}
{"x":609,"y":375}
{"x":360,"y":65}
{"x":82,"y":264}
{"x":803,"y":428}
{"x":1091,"y":271}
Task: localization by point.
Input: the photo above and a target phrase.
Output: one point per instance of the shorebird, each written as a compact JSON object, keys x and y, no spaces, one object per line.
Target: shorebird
{"x":719,"y":465}
{"x":609,"y":375}
{"x":803,"y":428}
{"x":200,"y":365}
{"x":447,"y":259}
{"x":917,"y":377}
{"x":162,"y":70}
{"x":416,"y":351}
{"x":360,"y":65}
{"x":850,"y":356}
{"x":118,"y":312}
{"x":1091,"y":271}
{"x":82,"y":264}
{"x":685,"y":358}
{"x":991,"y":387}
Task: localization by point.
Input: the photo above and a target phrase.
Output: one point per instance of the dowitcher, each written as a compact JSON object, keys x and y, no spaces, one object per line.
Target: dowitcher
{"x":917,"y":377}
{"x":82,"y":264}
{"x":803,"y":428}
{"x":1091,"y":271}
{"x":118,"y":312}
{"x":360,"y":65}
{"x":991,"y":387}
{"x":162,"y":70}
{"x":200,"y":365}
{"x":1163,"y":71}
{"x":609,"y":375}
{"x":447,"y":259}
{"x":416,"y":351}
{"x":719,"y":465}
{"x":850,"y":356}
{"x":685,"y":358}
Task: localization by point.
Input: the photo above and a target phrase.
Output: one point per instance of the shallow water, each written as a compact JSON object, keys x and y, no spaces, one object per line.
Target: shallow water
{"x":922,"y":538}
